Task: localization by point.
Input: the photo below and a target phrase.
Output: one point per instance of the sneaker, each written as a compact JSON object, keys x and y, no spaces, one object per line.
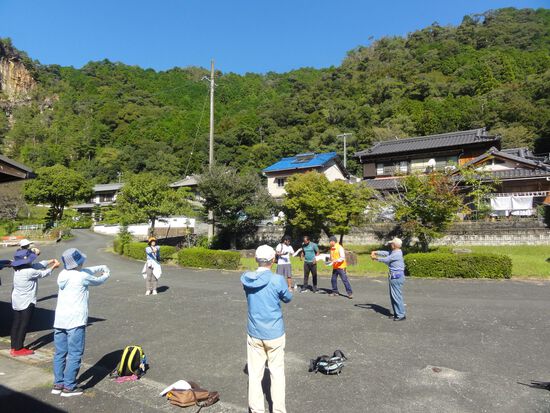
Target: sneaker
{"x":70,"y":393}
{"x":22,"y":352}
{"x":350,"y":296}
{"x":57,"y":389}
{"x":400,"y":318}
{"x":147,"y":292}
{"x":295,"y":287}
{"x":303,"y":290}
{"x":154,"y":292}
{"x":314,"y":289}
{"x":333,"y":294}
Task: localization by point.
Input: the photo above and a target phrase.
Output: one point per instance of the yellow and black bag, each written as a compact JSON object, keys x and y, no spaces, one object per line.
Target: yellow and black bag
{"x":133,"y":361}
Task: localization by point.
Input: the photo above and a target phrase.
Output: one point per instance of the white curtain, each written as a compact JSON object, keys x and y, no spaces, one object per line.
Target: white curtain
{"x":501,"y":205}
{"x":522,"y":205}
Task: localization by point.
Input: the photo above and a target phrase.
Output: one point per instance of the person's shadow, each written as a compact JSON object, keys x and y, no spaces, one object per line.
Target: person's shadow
{"x":376,"y":308}
{"x":266,"y":386}
{"x":100,"y":369}
{"x":162,"y":289}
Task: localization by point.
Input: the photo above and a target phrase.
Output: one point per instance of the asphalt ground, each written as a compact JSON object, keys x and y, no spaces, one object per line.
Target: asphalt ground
{"x":465,"y":347}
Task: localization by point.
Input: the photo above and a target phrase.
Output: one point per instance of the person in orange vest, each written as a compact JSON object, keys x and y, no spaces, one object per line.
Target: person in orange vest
{"x":339,"y":265}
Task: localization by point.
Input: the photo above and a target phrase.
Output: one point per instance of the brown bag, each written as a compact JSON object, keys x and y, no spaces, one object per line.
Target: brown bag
{"x":196,"y":396}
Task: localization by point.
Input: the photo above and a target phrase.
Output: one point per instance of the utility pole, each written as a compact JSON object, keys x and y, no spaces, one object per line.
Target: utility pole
{"x":211,"y":146}
{"x":345,"y":135}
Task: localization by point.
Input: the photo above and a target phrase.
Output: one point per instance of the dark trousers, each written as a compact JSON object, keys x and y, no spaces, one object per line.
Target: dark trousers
{"x":310,"y":267}
{"x":21,"y":320}
{"x":334,"y":280}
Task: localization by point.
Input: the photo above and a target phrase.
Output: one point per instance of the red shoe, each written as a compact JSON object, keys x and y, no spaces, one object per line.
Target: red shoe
{"x":22,"y":352}
{"x":11,"y":351}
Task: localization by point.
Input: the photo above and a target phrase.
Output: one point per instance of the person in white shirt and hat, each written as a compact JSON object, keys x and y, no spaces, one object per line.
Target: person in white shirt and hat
{"x":71,"y":317}
{"x":26,"y":274}
{"x":396,"y":275}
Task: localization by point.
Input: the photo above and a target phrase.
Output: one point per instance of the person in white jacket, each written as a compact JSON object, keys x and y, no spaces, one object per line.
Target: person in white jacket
{"x":71,"y":317}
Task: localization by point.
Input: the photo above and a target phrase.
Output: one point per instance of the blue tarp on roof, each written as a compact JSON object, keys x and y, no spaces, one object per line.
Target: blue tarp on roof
{"x":302,"y":161}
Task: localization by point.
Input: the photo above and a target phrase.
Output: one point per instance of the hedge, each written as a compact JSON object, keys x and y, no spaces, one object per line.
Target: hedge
{"x":205,"y":258}
{"x":137,"y":250}
{"x":118,"y":246}
{"x":447,"y":265}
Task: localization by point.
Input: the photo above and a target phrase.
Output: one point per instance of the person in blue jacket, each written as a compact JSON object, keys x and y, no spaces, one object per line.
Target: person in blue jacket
{"x":266,"y":331}
{"x":396,"y":276}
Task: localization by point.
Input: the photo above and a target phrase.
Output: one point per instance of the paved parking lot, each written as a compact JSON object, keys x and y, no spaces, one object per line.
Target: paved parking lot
{"x":464,"y":348}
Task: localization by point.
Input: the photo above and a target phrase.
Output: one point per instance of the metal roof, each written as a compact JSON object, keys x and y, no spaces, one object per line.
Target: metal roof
{"x":187,"y":181}
{"x":108,"y":187}
{"x":18,"y":170}
{"x":304,"y":161}
{"x":422,"y":143}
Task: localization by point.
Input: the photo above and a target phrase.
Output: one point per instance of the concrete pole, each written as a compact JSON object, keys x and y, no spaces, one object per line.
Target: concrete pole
{"x":211,"y":146}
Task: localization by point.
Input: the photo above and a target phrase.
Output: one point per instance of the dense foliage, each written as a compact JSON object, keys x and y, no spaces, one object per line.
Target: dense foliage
{"x":57,"y":186}
{"x":313,"y":204}
{"x":239,"y":201}
{"x":425,"y":206}
{"x":492,"y":70}
{"x":447,"y":265}
{"x":204,"y":258}
{"x":147,"y":197}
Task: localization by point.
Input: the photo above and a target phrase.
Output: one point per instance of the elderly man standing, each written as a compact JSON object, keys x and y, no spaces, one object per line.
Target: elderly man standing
{"x":266,"y":331}
{"x":396,"y":276}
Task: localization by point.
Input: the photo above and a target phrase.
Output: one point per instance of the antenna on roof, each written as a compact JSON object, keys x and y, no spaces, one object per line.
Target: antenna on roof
{"x":396,"y":138}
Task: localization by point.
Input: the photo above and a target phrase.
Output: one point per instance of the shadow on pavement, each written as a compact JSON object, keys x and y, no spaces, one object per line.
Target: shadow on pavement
{"x":42,"y":319}
{"x":48,"y":297}
{"x":163,"y":289}
{"x":376,"y":308}
{"x":19,"y":402}
{"x":543,"y":385}
{"x":100,"y":369}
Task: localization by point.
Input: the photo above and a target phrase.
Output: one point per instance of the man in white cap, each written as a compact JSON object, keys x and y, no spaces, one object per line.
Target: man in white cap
{"x":266,"y":331}
{"x":396,"y":275}
{"x":71,"y":317}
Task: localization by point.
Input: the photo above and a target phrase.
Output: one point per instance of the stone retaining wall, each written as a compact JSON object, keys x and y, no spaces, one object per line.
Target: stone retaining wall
{"x":513,"y":232}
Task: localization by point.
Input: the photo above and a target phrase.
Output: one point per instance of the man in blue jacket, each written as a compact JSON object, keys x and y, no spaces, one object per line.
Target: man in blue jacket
{"x":266,"y":331}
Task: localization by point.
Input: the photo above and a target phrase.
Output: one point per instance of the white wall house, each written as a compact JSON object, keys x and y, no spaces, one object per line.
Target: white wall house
{"x":326,"y":163}
{"x":104,"y":195}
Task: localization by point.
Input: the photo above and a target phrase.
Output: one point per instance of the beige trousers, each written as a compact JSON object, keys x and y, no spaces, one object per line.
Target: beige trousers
{"x":258,"y":351}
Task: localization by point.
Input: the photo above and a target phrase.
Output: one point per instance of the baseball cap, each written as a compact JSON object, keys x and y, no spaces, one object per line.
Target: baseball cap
{"x":265,"y":253}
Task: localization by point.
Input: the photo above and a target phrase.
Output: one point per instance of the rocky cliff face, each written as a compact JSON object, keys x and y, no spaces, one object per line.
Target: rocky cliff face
{"x":16,"y":81}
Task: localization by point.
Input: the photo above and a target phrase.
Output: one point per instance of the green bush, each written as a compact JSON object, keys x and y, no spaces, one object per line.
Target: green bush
{"x":447,"y":265}
{"x":205,"y":258}
{"x":136,"y":250}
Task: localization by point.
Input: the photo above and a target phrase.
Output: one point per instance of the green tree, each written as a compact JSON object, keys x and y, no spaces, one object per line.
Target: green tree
{"x":57,"y":186}
{"x":313,"y":204}
{"x":147,"y":196}
{"x":425,"y":206}
{"x":239,"y":201}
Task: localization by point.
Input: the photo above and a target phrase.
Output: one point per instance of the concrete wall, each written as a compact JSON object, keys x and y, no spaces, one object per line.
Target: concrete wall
{"x":512,"y":232}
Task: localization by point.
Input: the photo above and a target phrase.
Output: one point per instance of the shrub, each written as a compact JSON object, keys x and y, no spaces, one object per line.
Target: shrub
{"x":442,"y":264}
{"x":205,"y":258}
{"x":136,"y":250}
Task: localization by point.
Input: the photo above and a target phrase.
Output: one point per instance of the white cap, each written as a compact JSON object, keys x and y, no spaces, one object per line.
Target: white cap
{"x":265,"y":253}
{"x":24,"y":242}
{"x":396,"y":241}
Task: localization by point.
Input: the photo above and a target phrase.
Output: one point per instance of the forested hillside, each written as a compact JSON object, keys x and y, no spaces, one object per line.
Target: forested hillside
{"x":492,"y":70}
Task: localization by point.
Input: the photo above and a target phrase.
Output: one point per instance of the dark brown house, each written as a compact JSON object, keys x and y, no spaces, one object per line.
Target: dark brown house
{"x":523,"y":178}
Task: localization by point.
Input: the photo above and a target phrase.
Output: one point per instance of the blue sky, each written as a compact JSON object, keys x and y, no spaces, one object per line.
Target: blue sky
{"x":242,"y":36}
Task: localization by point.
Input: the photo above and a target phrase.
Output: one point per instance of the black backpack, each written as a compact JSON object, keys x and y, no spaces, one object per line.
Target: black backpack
{"x":133,"y":361}
{"x":328,"y":364}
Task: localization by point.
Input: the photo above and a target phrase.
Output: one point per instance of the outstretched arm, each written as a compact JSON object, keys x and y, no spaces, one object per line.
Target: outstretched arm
{"x":92,"y":278}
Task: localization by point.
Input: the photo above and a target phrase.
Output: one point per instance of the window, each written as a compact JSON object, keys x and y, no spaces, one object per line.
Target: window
{"x":280,"y":182}
{"x":106,"y":198}
{"x":392,"y":168}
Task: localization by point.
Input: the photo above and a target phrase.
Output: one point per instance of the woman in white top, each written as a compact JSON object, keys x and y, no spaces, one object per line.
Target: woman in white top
{"x":284,"y":251}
